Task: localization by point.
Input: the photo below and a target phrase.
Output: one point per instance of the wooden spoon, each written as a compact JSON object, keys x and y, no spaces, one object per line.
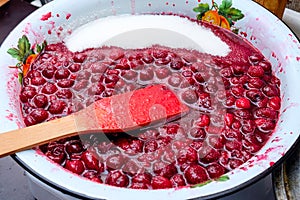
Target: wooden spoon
{"x":118,"y":113}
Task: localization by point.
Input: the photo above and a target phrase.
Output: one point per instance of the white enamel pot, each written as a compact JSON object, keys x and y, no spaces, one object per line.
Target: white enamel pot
{"x":261,"y":28}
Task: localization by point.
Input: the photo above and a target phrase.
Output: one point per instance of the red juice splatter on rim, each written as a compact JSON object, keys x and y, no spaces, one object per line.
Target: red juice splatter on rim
{"x":68,"y":15}
{"x":45,"y":17}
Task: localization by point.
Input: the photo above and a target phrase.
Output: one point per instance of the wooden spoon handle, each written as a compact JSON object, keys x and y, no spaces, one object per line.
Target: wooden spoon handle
{"x":33,"y":136}
{"x":118,"y":113}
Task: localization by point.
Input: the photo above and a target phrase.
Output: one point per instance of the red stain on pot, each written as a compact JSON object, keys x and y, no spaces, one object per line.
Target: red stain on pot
{"x":276,"y":139}
{"x":68,"y":15}
{"x":46,"y":16}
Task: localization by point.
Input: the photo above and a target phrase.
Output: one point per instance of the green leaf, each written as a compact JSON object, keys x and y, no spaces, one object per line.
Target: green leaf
{"x":226,"y":4}
{"x":20,"y":77}
{"x":21,"y":47}
{"x":38,"y":48}
{"x":27,"y":44}
{"x":223,"y":178}
{"x":201,"y":184}
{"x":201,"y":9}
{"x":24,"y":47}
{"x":235,"y":14}
{"x":14,"y":52}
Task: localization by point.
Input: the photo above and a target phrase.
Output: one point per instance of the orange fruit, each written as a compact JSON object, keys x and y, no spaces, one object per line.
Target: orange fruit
{"x":224,"y":23}
{"x":212,"y":16}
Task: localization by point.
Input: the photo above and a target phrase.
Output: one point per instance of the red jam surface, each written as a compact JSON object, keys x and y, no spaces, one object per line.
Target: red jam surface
{"x":233,"y":100}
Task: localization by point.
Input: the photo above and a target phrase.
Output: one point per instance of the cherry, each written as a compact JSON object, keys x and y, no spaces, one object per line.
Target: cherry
{"x":65,"y":83}
{"x":146,"y":74}
{"x":49,"y":88}
{"x":270,"y":90}
{"x":234,"y":163}
{"x":27,"y":93}
{"x":64,"y":94}
{"x":162,"y":72}
{"x":148,"y":59}
{"x":256,"y":71}
{"x":75,"y":67}
{"x":274,"y":103}
{"x":116,"y":54}
{"x":158,"y":53}
{"x":233,"y":145}
{"x":208,"y":155}
{"x":238,"y":91}
{"x":40,"y":101}
{"x":255,"y":83}
{"x":90,"y":161}
{"x":162,"y":61}
{"x":178,"y":180}
{"x":38,"y":81}
{"x":57,"y":154}
{"x":29,"y":120}
{"x":149,"y":134}
{"x":242,"y":103}
{"x":226,"y":72}
{"x":203,"y":121}
{"x":39,"y":115}
{"x":62,"y":73}
{"x":176,"y":64}
{"x":243,"y":113}
{"x":189,"y":96}
{"x":229,"y":119}
{"x":265,"y":125}
{"x":215,"y":170}
{"x":75,"y":166}
{"x":74,"y":146}
{"x":115,"y":161}
{"x":266,"y":113}
{"x":187,"y":155}
{"x":164,"y":169}
{"x":79,"y":57}
{"x":130,"y":75}
{"x":131,"y":146}
{"x":160,"y":182}
{"x":142,"y":178}
{"x":175,"y":80}
{"x":57,"y":107}
{"x":92,"y":175}
{"x":131,"y":168}
{"x":198,"y":133}
{"x":96,"y":89}
{"x":150,"y":146}
{"x":195,"y":174}
{"x":117,"y":178}
{"x":98,"y":68}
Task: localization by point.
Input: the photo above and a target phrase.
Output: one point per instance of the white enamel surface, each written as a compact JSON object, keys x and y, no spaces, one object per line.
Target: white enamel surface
{"x":264,"y":30}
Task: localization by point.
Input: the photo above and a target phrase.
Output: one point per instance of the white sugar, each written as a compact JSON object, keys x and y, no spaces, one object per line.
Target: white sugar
{"x":140,"y":31}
